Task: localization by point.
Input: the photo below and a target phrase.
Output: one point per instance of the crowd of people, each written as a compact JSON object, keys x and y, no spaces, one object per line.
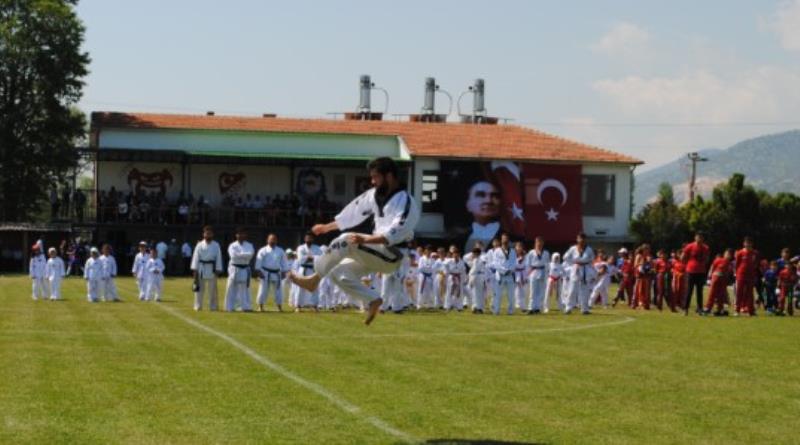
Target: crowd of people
{"x":156,"y":208}
{"x":488,"y":278}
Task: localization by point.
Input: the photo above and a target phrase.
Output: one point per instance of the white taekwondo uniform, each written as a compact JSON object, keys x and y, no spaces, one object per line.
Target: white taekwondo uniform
{"x":580,"y":276}
{"x":477,"y":282}
{"x":93,"y":273}
{"x":503,"y":262}
{"x":37,"y":273}
{"x":139,"y":271}
{"x":54,"y":272}
{"x":207,"y":264}
{"x":456,"y":273}
{"x":538,"y":263}
{"x":108,"y":288}
{"x":305,"y":266}
{"x":271,"y":263}
{"x":555,"y":273}
{"x":426,"y":296}
{"x":521,"y":271}
{"x":394,"y":216}
{"x":238,"y":290}
{"x":155,"y":278}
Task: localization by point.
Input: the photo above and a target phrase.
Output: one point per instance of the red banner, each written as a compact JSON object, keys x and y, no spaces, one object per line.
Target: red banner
{"x":552,"y":201}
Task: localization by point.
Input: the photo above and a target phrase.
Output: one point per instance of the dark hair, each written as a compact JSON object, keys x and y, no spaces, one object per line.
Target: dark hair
{"x":383,"y":165}
{"x":208,"y":228}
{"x":241,"y":230}
{"x":581,"y":235}
{"x":748,"y":239}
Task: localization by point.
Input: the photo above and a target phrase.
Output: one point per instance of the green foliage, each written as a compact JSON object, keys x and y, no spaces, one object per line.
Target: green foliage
{"x":661,"y":223}
{"x":40,"y":82}
{"x":735,"y":210}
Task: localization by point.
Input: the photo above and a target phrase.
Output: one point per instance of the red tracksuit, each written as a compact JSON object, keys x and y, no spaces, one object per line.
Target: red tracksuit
{"x":720,"y":269}
{"x":644,"y":284}
{"x":746,"y":273}
{"x":627,"y":281}
{"x":787,"y":279}
{"x":679,"y":282}
{"x":663,"y":268}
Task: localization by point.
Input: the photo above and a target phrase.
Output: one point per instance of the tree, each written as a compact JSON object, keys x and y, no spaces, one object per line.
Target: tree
{"x":41,"y":72}
{"x":660,"y":223}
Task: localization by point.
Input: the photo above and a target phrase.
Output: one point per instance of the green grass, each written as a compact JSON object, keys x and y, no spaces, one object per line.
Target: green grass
{"x":74,"y":372}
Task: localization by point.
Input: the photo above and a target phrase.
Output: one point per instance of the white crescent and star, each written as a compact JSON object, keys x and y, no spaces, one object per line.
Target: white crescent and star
{"x":552,"y":214}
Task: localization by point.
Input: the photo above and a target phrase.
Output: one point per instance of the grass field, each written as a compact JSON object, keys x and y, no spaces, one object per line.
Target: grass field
{"x":131,"y":372}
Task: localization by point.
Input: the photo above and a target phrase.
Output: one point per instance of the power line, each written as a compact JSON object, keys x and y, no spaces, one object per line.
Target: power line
{"x":660,"y":124}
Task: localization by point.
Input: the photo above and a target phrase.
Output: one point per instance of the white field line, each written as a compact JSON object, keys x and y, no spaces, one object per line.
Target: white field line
{"x":342,"y":404}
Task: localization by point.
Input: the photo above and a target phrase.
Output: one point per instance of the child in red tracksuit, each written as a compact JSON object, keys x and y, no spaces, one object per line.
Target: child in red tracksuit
{"x":663,"y":268}
{"x":719,"y":273}
{"x":643,"y":270}
{"x":680,"y":280}
{"x":746,"y":274}
{"x":787,"y":279}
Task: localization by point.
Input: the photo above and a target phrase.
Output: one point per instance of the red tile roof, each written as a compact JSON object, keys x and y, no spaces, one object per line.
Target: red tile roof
{"x":452,"y":140}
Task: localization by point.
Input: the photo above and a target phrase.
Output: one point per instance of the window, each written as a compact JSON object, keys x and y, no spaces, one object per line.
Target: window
{"x":597,"y":195}
{"x":430,"y":192}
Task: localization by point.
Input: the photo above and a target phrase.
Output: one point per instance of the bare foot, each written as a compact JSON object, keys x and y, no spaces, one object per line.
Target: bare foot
{"x":373,"y":309}
{"x":309,"y":283}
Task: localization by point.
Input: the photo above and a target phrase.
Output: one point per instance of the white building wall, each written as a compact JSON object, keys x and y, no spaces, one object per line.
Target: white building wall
{"x":617,"y":226}
{"x":256,"y":143}
{"x":143,"y":174}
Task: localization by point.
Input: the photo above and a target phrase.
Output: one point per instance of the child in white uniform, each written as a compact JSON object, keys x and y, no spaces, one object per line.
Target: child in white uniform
{"x":555,"y":275}
{"x":37,"y":273}
{"x":108,"y":287}
{"x":54,"y":271}
{"x":155,"y":277}
{"x":456,"y":273}
{"x":93,"y":273}
{"x":140,"y":268}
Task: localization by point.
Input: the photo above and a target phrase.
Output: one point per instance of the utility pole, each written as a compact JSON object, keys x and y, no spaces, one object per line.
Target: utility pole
{"x":694,"y":157}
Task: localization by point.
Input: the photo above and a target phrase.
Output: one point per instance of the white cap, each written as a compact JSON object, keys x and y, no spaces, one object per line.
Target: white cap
{"x":622,"y":251}
{"x":94,"y":250}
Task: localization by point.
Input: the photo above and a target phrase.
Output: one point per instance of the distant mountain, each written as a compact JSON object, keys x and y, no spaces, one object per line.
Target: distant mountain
{"x":771,"y":163}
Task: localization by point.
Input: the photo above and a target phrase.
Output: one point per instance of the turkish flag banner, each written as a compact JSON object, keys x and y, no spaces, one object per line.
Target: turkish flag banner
{"x":552,"y":201}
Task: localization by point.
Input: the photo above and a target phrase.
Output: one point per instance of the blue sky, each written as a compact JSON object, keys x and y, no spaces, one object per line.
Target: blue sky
{"x":647,"y":78}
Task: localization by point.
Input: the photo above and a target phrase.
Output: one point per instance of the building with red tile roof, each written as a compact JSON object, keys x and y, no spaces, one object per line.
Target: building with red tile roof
{"x":232,"y":157}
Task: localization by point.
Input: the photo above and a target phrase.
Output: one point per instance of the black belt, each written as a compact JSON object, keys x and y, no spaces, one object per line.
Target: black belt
{"x":398,"y":254}
{"x":244,"y":266}
{"x":276,"y":272}
{"x":537,"y":267}
{"x":207,"y":262}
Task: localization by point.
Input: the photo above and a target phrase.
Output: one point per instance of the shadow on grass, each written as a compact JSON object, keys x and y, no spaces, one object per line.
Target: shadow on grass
{"x":476,"y":442}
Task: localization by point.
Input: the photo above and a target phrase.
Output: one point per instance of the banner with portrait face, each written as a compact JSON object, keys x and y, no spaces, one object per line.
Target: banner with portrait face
{"x":481,"y":200}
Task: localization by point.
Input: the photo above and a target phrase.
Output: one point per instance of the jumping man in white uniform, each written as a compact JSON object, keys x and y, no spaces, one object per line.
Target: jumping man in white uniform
{"x":353,"y":255}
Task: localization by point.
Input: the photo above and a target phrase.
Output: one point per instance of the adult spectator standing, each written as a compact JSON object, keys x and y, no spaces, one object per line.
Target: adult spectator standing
{"x":161,"y":251}
{"x":80,"y":202}
{"x":697,"y":255}
{"x":65,"y":195}
{"x":54,"y":204}
{"x":186,"y":253}
{"x":174,"y":257}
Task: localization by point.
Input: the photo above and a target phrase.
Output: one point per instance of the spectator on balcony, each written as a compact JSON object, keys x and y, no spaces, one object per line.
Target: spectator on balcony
{"x":65,"y":195}
{"x":122,"y":210}
{"x":54,"y":204}
{"x":80,"y":202}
